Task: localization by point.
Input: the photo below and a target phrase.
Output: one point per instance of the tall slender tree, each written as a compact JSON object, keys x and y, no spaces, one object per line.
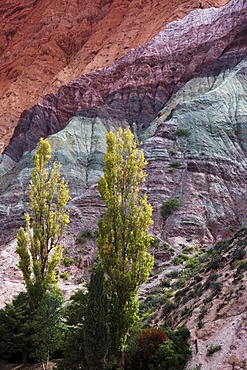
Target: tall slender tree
{"x":39,"y":245}
{"x":96,"y":333}
{"x":123,"y":232}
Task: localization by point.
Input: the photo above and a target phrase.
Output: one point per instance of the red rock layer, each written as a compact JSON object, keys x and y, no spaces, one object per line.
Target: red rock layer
{"x":44,"y":44}
{"x":138,"y":85}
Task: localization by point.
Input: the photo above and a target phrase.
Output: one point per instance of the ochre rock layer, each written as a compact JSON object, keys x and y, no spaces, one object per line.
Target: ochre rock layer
{"x":44,"y":44}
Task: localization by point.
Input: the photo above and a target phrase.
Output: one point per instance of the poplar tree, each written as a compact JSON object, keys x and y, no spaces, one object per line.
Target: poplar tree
{"x":38,"y":245}
{"x":123,"y":237}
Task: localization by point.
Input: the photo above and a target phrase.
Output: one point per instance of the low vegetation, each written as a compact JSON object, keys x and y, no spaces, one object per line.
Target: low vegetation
{"x":169,"y":207}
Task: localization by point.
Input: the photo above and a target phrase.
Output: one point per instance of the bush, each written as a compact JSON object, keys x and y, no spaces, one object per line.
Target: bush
{"x":64,"y":275}
{"x":213,"y":348}
{"x":174,"y":164}
{"x":68,"y":261}
{"x":148,"y":342}
{"x":161,"y":348}
{"x":182,"y":132}
{"x":169,"y":207}
{"x":168,"y":307}
{"x":81,"y":238}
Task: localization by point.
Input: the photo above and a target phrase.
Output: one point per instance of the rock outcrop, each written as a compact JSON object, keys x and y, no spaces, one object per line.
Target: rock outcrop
{"x":45,"y":44}
{"x":183,"y":93}
{"x":184,"y":99}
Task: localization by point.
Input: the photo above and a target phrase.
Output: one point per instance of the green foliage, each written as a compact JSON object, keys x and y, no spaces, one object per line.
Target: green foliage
{"x":31,"y":334}
{"x":123,"y":238}
{"x":174,"y":165}
{"x":191,"y":262}
{"x":16,"y":328}
{"x":39,"y":245}
{"x":161,"y":349}
{"x":213,"y":348}
{"x":182,"y":132}
{"x":64,"y":275}
{"x":67,"y":261}
{"x":81,"y":238}
{"x":73,"y":344}
{"x":96,"y":328}
{"x":48,"y":326}
{"x":169,"y":207}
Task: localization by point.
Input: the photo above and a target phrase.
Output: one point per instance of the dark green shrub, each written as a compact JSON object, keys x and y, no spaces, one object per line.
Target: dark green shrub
{"x":200,"y":324}
{"x":238,"y":254}
{"x":216,"y":287}
{"x":155,"y":242}
{"x":213,"y":348}
{"x":169,"y":207}
{"x":198,"y":278}
{"x":174,"y":165}
{"x":191,"y":262}
{"x":168,"y":307}
{"x":81,"y":238}
{"x":212,"y":277}
{"x":182,"y":132}
{"x":242,"y":267}
{"x":166,"y":283}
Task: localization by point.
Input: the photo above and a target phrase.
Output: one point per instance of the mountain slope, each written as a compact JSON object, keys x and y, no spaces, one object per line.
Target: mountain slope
{"x":45,"y":44}
{"x":168,"y":84}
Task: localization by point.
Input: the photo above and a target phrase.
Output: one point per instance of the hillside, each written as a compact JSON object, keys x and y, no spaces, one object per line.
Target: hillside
{"x":176,"y":74}
{"x":45,"y":44}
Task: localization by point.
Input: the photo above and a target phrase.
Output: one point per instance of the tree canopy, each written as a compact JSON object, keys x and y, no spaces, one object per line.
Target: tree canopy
{"x":39,"y":245}
{"x":123,"y":231}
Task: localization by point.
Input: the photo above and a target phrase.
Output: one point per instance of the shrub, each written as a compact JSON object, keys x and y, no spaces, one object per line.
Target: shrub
{"x":182,"y":132}
{"x":68,"y":261}
{"x":200,"y":324}
{"x":155,"y":242}
{"x":85,"y":234}
{"x":174,"y":164}
{"x":161,"y":348}
{"x":148,"y":342}
{"x":169,"y":207}
{"x":64,"y":275}
{"x":238,"y":254}
{"x":190,"y":263}
{"x":188,"y":249}
{"x":168,"y":307}
{"x":213,"y":348}
{"x":80,"y":239}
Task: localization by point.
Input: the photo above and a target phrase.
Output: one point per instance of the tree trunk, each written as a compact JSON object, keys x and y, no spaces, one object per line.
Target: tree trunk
{"x":121,"y":360}
{"x":24,"y":358}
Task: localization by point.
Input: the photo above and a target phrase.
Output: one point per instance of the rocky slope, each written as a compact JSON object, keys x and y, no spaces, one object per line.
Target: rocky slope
{"x":186,"y":100}
{"x":44,"y":44}
{"x":206,"y":290}
{"x":184,"y":95}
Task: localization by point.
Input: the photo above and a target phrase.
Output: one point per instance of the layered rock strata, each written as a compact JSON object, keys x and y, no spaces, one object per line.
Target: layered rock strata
{"x":44,"y":44}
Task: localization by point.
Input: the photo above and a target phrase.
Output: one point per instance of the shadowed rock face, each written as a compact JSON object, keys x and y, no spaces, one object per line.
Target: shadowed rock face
{"x":184,"y":95}
{"x":45,"y":44}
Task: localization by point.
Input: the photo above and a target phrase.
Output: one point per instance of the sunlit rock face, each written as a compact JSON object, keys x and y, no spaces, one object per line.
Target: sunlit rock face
{"x":45,"y":44}
{"x":184,"y":95}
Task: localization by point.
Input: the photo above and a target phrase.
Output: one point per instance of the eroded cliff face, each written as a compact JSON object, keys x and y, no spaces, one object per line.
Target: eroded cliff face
{"x":183,"y":94}
{"x":45,"y":44}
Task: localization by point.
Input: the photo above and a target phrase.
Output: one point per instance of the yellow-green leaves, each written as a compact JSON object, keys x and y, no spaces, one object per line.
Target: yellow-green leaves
{"x":38,"y":245}
{"x":123,"y":236}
